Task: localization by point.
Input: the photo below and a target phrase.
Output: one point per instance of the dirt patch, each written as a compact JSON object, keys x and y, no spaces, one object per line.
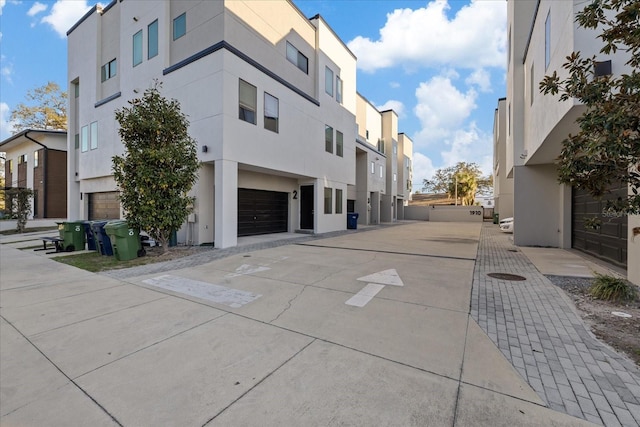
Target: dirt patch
{"x":176,"y":252}
{"x":621,"y":333}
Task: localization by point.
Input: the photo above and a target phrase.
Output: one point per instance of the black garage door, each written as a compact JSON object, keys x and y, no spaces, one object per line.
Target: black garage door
{"x":262,"y":212}
{"x":609,"y":241}
{"x":103,"y":206}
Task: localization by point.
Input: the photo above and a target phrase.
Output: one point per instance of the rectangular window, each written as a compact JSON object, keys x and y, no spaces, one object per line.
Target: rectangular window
{"x":328,"y":139}
{"x":84,"y":138}
{"x":271,"y":112}
{"x":180,"y":26}
{"x":533,"y":85}
{"x":297,"y":58}
{"x":76,"y":90}
{"x":137,"y":48}
{"x":10,"y":166}
{"x":35,"y":159}
{"x":93,"y":135}
{"x":327,"y":200}
{"x":373,"y":168}
{"x":509,"y":120}
{"x":328,"y":81}
{"x":152,"y":39}
{"x":547,"y":41}
{"x":76,"y":141}
{"x":109,"y":70}
{"x":338,"y":201}
{"x":381,"y":171}
{"x":395,"y":177}
{"x":395,"y":148}
{"x":339,"y":89}
{"x":339,"y":143}
{"x":22,"y":159}
{"x":381,"y":145}
{"x":248,"y":101}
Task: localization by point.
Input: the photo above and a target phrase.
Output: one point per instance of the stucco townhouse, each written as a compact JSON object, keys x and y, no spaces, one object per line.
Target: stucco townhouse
{"x":37,"y":159}
{"x":528,"y":134}
{"x":272,"y":103}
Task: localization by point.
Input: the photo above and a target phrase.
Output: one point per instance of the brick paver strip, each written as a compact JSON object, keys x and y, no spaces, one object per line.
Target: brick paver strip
{"x":538,"y":330}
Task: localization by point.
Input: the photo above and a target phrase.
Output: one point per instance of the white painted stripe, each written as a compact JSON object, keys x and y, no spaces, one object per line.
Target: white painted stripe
{"x":365,"y":295}
{"x":386,"y":277}
{"x":233,"y":298}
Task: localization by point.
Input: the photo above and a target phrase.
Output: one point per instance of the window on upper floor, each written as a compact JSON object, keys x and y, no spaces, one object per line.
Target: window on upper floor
{"x":395,"y":177}
{"x":532,"y":82}
{"x":271,"y":112}
{"x":152,"y":39}
{"x":76,"y":141}
{"x":381,"y":145}
{"x":339,"y":143}
{"x":509,"y":48}
{"x":366,"y":135}
{"x":137,"y":48}
{"x":248,"y":100}
{"x":339,"y":89}
{"x":547,"y":40}
{"x":338,"y":201}
{"x":180,"y":26}
{"x":395,"y":148}
{"x":84,"y":138}
{"x":10,"y":166}
{"x":109,"y":70}
{"x":76,"y":90}
{"x":328,"y":81}
{"x":327,"y":200}
{"x":328,"y":139}
{"x":22,"y":159}
{"x":381,"y":171}
{"x":35,"y":159}
{"x":93,"y":135}
{"x":297,"y":58}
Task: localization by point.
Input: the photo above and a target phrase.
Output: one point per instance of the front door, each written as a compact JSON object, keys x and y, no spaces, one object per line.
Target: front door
{"x":306,"y":207}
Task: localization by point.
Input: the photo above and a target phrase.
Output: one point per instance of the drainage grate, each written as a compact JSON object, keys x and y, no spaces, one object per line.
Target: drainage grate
{"x":506,"y":276}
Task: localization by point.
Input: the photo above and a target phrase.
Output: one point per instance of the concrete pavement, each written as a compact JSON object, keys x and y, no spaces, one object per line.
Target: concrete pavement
{"x":264,"y":337}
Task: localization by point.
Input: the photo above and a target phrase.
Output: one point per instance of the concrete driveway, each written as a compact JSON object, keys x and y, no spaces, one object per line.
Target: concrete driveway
{"x":363,"y":329}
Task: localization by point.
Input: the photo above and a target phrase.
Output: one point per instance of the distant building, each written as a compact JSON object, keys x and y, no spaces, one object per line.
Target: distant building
{"x":541,"y":34}
{"x":37,"y":159}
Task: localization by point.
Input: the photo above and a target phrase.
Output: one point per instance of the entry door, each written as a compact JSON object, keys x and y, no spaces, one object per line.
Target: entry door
{"x":306,"y":207}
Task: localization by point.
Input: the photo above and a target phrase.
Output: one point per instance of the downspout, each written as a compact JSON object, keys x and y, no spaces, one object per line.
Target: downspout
{"x":44,"y":172}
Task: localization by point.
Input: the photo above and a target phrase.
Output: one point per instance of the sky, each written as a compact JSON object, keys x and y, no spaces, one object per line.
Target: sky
{"x":439,"y":64}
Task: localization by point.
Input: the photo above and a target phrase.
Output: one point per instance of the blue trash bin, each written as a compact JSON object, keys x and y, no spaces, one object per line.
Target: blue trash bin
{"x":91,"y":240}
{"x":352,"y":221}
{"x":103,"y":242}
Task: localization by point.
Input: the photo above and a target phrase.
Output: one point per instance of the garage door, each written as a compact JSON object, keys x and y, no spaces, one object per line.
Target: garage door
{"x":609,"y":241}
{"x":104,"y":206}
{"x":262,"y":212}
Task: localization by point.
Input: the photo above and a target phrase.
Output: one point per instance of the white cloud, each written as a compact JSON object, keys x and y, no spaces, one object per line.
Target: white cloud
{"x":394,"y":105}
{"x":441,"y":108}
{"x":469,"y":145}
{"x":37,"y":8}
{"x":394,"y":85}
{"x":2,"y":3}
{"x":474,"y":37}
{"x":6,"y":127}
{"x":481,"y":78}
{"x":6,"y":71}
{"x":64,"y":14}
{"x":422,"y":169}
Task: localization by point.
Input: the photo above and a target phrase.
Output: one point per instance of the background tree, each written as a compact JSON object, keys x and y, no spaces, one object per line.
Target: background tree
{"x":18,"y":202}
{"x":606,"y":150}
{"x":468,"y":178}
{"x":159,"y":166}
{"x":46,"y":108}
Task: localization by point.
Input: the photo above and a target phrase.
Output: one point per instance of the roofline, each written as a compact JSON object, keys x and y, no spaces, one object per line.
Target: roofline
{"x":367,"y":101}
{"x":318,"y":16}
{"x":25,"y":131}
{"x":84,"y":17}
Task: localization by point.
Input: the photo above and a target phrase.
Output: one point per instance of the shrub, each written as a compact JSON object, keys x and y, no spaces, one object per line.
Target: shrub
{"x":611,"y":288}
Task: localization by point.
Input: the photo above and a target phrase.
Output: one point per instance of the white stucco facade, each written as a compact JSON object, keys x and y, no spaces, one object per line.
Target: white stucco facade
{"x":541,"y":35}
{"x":225,"y":46}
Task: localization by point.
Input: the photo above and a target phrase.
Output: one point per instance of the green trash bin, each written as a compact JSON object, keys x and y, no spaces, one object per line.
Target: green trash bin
{"x":125,"y":241}
{"x":73,"y":235}
{"x":496,"y":218}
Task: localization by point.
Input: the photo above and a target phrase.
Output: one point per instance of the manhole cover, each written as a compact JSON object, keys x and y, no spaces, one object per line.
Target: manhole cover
{"x":506,"y":276}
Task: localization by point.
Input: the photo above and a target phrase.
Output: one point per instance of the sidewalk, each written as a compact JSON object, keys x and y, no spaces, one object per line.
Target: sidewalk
{"x":535,"y":326}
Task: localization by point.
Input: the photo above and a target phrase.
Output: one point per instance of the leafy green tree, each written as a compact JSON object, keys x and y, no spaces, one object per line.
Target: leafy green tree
{"x":159,"y":166}
{"x":467,"y":177}
{"x":46,"y":108}
{"x":606,"y":150}
{"x":19,"y":205}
